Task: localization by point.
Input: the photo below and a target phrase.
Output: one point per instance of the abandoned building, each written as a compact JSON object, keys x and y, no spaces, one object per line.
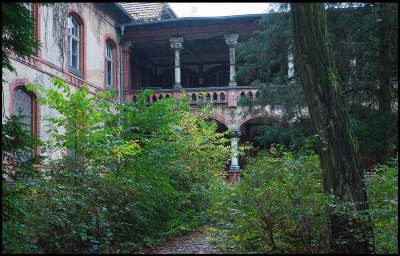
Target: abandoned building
{"x":131,"y":47}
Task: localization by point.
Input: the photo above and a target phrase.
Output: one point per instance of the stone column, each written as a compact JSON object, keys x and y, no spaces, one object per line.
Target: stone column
{"x":176,"y":44}
{"x":231,"y":40}
{"x":126,"y":67}
{"x":290,"y":62}
{"x":234,"y":169}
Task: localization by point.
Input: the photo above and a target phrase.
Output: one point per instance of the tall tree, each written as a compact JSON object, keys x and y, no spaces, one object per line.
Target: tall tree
{"x":355,"y":30}
{"x":337,"y":146}
{"x":364,"y":40}
{"x":385,"y":73}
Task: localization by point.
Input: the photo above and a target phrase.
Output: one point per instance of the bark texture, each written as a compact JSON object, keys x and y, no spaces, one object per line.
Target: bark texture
{"x":337,"y":146}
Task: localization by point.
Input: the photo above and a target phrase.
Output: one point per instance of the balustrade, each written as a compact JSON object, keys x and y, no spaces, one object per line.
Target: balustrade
{"x":228,"y":96}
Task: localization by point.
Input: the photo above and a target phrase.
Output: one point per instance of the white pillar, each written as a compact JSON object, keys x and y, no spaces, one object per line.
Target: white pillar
{"x":176,"y":44}
{"x":290,"y":62}
{"x":231,"y":40}
{"x":234,"y":168}
{"x":234,"y":146}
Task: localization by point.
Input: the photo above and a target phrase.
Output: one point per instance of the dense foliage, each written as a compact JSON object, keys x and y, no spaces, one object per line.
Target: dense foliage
{"x":280,"y":207}
{"x":126,"y":183}
{"x":356,"y":33}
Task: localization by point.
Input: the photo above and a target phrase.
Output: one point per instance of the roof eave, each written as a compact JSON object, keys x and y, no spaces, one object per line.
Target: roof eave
{"x":194,"y":19}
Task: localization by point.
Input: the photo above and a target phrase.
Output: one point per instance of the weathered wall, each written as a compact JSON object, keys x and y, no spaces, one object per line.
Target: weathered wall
{"x":52,"y":57}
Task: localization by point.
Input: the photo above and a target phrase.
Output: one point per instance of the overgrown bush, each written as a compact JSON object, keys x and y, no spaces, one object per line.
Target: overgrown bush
{"x":19,"y":158}
{"x":277,"y":207}
{"x":280,"y":207}
{"x":132,"y":175}
{"x":383,"y":197}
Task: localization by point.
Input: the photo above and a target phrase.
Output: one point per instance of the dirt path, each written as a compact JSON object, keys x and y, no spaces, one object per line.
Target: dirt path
{"x":196,"y":242}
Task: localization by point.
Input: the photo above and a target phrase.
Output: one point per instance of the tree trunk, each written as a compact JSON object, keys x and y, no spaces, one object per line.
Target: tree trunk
{"x":337,"y":146}
{"x":385,"y":99}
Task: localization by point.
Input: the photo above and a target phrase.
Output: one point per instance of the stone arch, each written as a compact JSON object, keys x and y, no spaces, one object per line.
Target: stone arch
{"x":247,"y":119}
{"x":221,"y":122}
{"x":220,"y":119}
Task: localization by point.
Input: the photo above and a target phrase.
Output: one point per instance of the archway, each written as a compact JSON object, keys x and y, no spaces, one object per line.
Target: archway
{"x":249,"y":130}
{"x":221,"y":125}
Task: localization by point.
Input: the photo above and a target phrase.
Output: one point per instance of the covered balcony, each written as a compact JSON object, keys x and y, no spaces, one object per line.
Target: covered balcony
{"x":187,"y":54}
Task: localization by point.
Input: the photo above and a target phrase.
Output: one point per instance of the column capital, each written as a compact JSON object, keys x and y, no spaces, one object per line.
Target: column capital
{"x":176,"y":43}
{"x":231,"y":39}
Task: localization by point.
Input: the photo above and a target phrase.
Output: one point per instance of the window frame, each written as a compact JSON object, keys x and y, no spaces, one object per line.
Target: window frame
{"x":109,"y":62}
{"x":71,"y":38}
{"x":35,"y":106}
{"x":111,"y":46}
{"x":81,"y":60}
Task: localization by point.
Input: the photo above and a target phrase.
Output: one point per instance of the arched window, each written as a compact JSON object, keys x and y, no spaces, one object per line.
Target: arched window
{"x":109,"y":66}
{"x":222,"y":97}
{"x":73,"y":43}
{"x":193,"y":98}
{"x":22,"y":105}
{"x":160,"y":98}
{"x":154,"y":98}
{"x":208,"y":97}
{"x":215,"y":98}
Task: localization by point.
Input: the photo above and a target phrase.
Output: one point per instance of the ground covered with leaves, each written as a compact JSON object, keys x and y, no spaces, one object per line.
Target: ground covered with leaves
{"x":195,"y":242}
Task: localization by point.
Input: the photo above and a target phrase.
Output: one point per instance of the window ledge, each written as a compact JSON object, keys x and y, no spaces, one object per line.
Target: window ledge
{"x":75,"y":72}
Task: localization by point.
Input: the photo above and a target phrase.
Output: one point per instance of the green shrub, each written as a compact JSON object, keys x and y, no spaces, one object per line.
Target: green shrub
{"x":142,"y":175}
{"x":383,"y":190}
{"x":275,"y":209}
